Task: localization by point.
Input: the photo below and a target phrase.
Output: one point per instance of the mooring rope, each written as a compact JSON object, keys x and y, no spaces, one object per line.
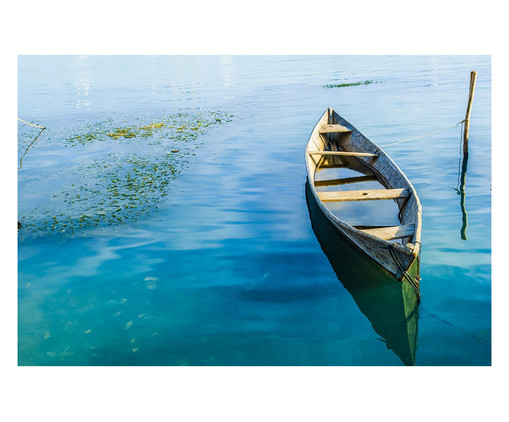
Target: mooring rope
{"x":405,"y":274}
{"x":423,"y":135}
{"x":30,"y":124}
{"x":470,"y":333}
{"x":418,"y":294}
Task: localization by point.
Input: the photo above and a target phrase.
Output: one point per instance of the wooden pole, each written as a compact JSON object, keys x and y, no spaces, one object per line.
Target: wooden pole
{"x":473,"y":77}
{"x":463,"y":232}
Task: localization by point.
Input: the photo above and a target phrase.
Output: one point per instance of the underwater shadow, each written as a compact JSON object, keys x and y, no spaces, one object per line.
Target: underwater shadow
{"x":390,"y":305}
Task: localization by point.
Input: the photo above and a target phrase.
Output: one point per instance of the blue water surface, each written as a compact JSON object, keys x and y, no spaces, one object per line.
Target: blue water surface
{"x":226,"y":270}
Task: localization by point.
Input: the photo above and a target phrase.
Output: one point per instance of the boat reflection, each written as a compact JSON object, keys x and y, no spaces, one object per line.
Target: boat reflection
{"x":391,"y":306}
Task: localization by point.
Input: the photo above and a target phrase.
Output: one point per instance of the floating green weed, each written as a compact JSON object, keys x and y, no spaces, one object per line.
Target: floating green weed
{"x":126,"y":133}
{"x":367,"y":82}
{"x":126,"y":183}
{"x":186,"y":125}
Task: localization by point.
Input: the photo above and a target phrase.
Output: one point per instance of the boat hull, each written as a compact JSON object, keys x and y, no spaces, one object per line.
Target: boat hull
{"x":395,"y":258}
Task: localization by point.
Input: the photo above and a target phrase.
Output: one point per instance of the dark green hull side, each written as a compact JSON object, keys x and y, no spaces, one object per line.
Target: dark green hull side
{"x":390,"y":305}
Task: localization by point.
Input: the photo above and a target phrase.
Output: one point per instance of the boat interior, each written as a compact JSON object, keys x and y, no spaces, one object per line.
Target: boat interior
{"x":355,"y":192}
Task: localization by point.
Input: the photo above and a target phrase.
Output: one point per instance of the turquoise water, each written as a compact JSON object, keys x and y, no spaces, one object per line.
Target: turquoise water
{"x":225,"y":269}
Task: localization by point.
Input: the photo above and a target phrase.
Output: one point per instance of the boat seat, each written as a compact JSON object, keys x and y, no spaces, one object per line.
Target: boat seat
{"x":346,"y":181}
{"x":334,"y":129}
{"x":390,"y":232}
{"x":344,"y":153}
{"x":364,"y":195}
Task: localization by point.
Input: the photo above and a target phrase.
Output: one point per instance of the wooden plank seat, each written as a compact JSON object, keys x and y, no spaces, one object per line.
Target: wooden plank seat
{"x":344,"y":153}
{"x":346,"y":180}
{"x":391,"y":232}
{"x":364,"y":195}
{"x":334,"y":129}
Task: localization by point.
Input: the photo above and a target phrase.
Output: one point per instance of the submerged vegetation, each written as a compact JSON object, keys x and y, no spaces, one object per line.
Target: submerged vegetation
{"x":185,"y":126}
{"x":367,"y":82}
{"x":125,"y":181}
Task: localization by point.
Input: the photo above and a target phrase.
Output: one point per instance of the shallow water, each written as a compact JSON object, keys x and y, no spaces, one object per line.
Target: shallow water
{"x":226,"y":269}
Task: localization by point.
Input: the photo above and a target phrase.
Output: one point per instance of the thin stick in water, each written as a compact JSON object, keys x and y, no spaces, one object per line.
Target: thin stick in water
{"x":473,"y":78}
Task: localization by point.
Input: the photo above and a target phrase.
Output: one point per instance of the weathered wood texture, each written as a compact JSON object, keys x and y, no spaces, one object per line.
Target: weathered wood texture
{"x":364,"y":195}
{"x":334,"y":129}
{"x":344,"y":153}
{"x":473,"y":78}
{"x":394,"y":232}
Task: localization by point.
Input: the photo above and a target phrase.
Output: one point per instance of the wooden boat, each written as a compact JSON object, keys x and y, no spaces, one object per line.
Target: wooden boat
{"x":335,"y":144}
{"x":392,"y":307}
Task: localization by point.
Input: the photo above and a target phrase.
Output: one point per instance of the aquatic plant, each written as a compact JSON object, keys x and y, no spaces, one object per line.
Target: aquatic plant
{"x":367,"y":82}
{"x":186,"y":126}
{"x":126,"y":183}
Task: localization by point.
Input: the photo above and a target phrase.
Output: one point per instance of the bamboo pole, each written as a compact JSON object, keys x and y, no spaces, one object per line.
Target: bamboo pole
{"x":473,"y":77}
{"x":463,"y":231}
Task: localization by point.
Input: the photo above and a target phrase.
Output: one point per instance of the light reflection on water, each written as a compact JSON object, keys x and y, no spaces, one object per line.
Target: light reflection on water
{"x":240,"y":276}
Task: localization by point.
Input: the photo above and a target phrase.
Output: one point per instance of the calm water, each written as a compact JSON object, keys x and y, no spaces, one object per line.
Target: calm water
{"x":227,"y":270}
